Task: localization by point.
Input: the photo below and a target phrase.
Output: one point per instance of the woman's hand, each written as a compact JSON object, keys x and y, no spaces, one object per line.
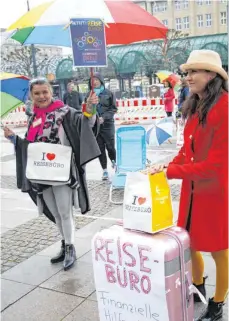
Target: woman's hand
{"x":8,"y":132}
{"x":101,"y":120}
{"x":92,"y":100}
{"x":157,"y":168}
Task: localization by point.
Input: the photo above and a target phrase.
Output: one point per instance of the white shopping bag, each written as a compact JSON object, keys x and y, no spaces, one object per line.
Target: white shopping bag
{"x":49,"y":164}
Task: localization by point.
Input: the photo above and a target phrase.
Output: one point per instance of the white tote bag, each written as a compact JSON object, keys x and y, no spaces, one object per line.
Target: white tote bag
{"x":49,"y":164}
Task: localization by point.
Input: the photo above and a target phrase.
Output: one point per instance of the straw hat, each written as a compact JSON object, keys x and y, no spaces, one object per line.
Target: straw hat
{"x":206,"y":60}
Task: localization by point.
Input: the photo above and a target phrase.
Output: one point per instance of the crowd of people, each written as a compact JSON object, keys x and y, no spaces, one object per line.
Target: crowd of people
{"x":201,"y":164}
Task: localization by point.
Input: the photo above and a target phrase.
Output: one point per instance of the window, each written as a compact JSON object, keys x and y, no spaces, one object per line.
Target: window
{"x":223,"y":1}
{"x":223,"y":18}
{"x":159,"y":6}
{"x":185,"y":4}
{"x":186,"y":22}
{"x":199,"y":2}
{"x":165,"y":22}
{"x":178,"y":24}
{"x":200,"y":20}
{"x":208,"y":2}
{"x":178,"y":5}
{"x":208,"y":20}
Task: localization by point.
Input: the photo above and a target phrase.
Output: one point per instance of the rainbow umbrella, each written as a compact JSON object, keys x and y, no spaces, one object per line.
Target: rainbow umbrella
{"x":125,"y":22}
{"x":14,"y":91}
{"x":163,"y":74}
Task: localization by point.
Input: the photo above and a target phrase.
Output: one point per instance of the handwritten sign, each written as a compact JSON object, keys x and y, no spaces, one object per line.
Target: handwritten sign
{"x":129,"y":276}
{"x":180,"y":133}
{"x":88,"y":42}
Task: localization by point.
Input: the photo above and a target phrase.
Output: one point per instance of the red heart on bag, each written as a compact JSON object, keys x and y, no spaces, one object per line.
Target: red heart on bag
{"x":141,"y":200}
{"x":50,"y":156}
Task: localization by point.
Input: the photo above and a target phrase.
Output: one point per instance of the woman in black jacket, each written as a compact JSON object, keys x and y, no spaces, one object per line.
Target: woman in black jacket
{"x":106,"y":109}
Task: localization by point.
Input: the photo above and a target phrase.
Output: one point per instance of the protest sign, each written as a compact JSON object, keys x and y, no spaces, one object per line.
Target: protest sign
{"x":88,"y":42}
{"x":129,"y":276}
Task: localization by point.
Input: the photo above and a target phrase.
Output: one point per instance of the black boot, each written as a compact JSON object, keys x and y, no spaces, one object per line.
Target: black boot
{"x":201,"y":288}
{"x":60,"y":256}
{"x":214,"y":311}
{"x":70,"y":256}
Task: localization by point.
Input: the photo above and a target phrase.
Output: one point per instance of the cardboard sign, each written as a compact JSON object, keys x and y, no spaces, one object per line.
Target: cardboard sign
{"x":129,"y":276}
{"x":88,"y":42}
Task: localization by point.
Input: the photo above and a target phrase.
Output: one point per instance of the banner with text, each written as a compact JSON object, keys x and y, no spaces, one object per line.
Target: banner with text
{"x":129,"y":273}
{"x":88,"y":42}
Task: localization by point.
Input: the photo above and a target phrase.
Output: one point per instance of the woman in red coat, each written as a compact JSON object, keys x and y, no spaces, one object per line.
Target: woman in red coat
{"x":202,"y":164}
{"x":168,"y":99}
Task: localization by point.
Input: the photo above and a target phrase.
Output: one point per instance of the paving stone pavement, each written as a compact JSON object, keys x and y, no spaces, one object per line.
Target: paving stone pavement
{"x":27,"y":239}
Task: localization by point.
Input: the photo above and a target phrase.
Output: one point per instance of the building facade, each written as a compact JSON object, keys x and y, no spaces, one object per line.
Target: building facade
{"x":194,"y":17}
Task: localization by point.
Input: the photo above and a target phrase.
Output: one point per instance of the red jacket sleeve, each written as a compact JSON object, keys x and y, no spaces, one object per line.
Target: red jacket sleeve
{"x":169,"y":95}
{"x":179,"y":159}
{"x":217,"y":156}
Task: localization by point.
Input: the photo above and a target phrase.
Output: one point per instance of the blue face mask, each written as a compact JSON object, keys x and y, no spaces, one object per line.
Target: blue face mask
{"x":99,"y":90}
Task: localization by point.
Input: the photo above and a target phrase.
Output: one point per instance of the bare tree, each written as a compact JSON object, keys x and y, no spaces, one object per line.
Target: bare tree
{"x":19,"y":60}
{"x":174,"y":49}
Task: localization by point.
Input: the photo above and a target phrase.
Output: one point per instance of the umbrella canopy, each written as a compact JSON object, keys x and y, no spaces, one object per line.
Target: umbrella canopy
{"x":173,"y":79}
{"x":160,"y":132}
{"x":125,"y":22}
{"x":14,"y":91}
{"x":163,"y":74}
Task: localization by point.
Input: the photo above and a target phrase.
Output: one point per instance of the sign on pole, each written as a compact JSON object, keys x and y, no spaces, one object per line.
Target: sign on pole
{"x":88,"y":42}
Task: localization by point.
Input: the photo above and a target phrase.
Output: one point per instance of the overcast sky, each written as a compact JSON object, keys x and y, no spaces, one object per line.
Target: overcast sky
{"x":11,"y":10}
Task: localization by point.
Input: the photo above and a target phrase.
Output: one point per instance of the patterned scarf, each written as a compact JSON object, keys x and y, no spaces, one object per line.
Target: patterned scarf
{"x":51,"y":118}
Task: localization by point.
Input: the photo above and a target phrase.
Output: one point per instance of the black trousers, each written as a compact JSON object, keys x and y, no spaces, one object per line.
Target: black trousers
{"x":106,"y":141}
{"x":169,"y":113}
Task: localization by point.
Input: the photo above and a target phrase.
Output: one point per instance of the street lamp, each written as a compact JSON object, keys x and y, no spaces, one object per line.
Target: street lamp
{"x":33,"y":51}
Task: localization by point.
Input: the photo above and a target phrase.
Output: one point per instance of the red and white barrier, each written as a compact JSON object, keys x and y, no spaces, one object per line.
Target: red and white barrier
{"x":141,"y":114}
{"x":139,"y":102}
{"x":20,"y":109}
{"x":16,"y":118}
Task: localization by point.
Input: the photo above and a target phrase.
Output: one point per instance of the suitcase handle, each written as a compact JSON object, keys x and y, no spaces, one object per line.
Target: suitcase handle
{"x":188,"y":292}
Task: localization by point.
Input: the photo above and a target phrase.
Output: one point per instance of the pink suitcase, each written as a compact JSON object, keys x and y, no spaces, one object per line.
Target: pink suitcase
{"x":178,"y":274}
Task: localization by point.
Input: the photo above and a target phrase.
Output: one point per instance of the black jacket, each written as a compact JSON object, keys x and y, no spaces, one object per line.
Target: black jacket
{"x":82,"y":139}
{"x":73,"y":99}
{"x":107,"y":104}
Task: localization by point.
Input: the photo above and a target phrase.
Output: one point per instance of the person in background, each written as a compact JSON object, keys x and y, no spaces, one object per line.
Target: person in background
{"x":28,"y":109}
{"x":202,"y":164}
{"x":106,"y":108}
{"x":73,"y":98}
{"x":184,"y":92}
{"x":53,"y":122}
{"x":168,"y":98}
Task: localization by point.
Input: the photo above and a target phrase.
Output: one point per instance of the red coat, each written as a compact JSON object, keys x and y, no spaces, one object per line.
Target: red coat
{"x":207,"y":167}
{"x":168,"y":100}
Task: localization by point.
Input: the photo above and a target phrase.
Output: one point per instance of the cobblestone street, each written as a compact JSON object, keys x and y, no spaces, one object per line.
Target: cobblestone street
{"x":28,"y":239}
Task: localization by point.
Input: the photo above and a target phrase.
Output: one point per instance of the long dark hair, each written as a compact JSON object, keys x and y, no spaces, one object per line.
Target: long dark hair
{"x":169,"y":86}
{"x":212,"y":92}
